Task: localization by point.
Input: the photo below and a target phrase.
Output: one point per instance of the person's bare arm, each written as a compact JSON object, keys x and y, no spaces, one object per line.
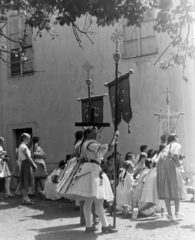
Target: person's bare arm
{"x":29,"y":159}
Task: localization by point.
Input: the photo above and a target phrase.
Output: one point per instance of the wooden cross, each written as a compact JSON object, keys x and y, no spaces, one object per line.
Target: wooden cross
{"x":88,"y":67}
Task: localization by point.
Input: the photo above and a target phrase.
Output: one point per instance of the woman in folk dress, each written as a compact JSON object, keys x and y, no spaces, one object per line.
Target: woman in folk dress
{"x":90,"y":183}
{"x":4,"y":169}
{"x":170,"y":185}
{"x":50,"y":191}
{"x":41,"y":171}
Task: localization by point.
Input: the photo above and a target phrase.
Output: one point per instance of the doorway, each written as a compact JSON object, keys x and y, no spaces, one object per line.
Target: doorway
{"x":17,"y":135}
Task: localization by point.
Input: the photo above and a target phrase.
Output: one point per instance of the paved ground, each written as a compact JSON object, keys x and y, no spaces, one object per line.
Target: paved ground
{"x":57,"y":220}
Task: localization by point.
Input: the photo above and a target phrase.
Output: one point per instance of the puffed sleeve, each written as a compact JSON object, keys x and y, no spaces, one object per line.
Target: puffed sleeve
{"x":97,"y":147}
{"x":176,"y":147}
{"x":39,"y":151}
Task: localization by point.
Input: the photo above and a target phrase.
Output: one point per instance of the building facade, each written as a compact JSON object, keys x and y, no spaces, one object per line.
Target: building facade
{"x":40,"y":95}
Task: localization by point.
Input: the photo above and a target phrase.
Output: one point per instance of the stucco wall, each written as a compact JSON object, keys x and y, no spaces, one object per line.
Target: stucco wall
{"x":47,"y":100}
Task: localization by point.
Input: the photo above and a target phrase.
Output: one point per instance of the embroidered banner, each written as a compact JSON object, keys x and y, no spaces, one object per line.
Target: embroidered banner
{"x":98,"y":104}
{"x":163,"y":123}
{"x":124,"y":100}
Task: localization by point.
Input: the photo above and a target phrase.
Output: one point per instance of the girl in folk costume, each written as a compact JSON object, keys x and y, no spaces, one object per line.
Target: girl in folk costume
{"x":120,"y":185}
{"x":90,"y":183}
{"x":50,"y":191}
{"x":27,"y":166}
{"x":124,"y":205}
{"x":41,"y":171}
{"x":4,"y":169}
{"x":149,"y":196}
{"x":138,"y":186}
{"x":140,"y":166}
{"x":170,"y":185}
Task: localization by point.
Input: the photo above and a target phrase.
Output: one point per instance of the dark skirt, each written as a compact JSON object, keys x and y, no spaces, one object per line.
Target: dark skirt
{"x":40,"y":171}
{"x":26,"y":175}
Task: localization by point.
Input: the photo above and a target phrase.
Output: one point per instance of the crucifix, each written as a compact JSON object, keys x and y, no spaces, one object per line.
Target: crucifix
{"x":91,"y":111}
{"x":168,"y":100}
{"x":117,"y":56}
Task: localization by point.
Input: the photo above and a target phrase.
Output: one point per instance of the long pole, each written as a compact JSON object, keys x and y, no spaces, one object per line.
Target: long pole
{"x":117,"y":56}
{"x":115,"y":146}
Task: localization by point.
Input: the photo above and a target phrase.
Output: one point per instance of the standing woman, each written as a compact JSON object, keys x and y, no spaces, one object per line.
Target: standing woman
{"x":27,"y":167}
{"x":41,"y":171}
{"x":90,"y":183}
{"x":4,"y":169}
{"x":170,"y":184}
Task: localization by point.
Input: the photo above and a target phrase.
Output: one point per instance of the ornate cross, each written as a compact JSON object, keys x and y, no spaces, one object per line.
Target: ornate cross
{"x":116,"y":37}
{"x":88,"y":67}
{"x":91,"y":111}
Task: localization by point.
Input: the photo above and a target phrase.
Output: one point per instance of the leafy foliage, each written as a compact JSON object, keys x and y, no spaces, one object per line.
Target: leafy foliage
{"x":173,"y":20}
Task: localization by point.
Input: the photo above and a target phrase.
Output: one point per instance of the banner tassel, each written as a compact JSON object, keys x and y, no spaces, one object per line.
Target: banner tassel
{"x":129,"y":131}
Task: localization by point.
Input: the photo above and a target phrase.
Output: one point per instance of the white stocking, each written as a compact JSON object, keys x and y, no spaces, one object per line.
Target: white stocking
{"x":101,"y":213}
{"x":7,"y":185}
{"x":87,"y":212}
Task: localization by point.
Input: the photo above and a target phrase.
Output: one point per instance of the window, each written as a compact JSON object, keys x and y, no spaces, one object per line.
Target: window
{"x":140,"y":41}
{"x":21,"y":64}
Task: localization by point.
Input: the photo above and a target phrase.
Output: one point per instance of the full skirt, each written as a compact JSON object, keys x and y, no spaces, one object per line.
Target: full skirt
{"x":40,"y":171}
{"x":26,"y":175}
{"x":149,"y":193}
{"x":169,"y":180}
{"x":90,"y":183}
{"x":50,"y":190}
{"x":126,"y":196}
{"x":4,"y":170}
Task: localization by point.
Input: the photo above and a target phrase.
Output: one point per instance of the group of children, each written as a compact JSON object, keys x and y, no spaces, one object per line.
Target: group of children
{"x":136,"y":192}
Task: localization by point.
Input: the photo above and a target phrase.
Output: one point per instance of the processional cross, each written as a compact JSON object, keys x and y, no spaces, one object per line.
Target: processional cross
{"x":117,"y":56}
{"x":88,"y":67}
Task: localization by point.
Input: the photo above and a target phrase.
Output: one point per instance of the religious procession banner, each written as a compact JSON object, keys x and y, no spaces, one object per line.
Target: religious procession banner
{"x":98,"y":104}
{"x":167,"y":123}
{"x":124,"y":101}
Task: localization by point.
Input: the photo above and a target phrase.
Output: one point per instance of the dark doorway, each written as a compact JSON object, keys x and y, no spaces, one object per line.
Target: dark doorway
{"x":18,"y":133}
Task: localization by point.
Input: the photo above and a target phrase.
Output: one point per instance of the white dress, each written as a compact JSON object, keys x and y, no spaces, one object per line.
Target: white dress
{"x":119,"y":187}
{"x":4,"y":169}
{"x":90,"y":181}
{"x":126,"y":195}
{"x":50,"y":190}
{"x":150,"y":194}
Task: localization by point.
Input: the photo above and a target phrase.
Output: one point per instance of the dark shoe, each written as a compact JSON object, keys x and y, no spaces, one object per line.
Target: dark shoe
{"x":90,"y":229}
{"x":109,"y":229}
{"x":9,"y":196}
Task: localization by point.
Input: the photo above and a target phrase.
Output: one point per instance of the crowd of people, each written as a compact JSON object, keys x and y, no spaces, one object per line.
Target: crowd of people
{"x":146,"y":184}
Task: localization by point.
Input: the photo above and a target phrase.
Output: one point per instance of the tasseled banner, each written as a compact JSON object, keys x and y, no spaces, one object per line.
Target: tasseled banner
{"x":129,"y":131}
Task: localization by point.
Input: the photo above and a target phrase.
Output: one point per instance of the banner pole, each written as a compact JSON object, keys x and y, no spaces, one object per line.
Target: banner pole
{"x":117,"y":56}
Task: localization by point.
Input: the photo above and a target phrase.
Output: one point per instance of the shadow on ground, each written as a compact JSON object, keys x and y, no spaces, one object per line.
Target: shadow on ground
{"x":72,"y":232}
{"x":188,"y":227}
{"x":49,"y":209}
{"x":155,"y":224}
